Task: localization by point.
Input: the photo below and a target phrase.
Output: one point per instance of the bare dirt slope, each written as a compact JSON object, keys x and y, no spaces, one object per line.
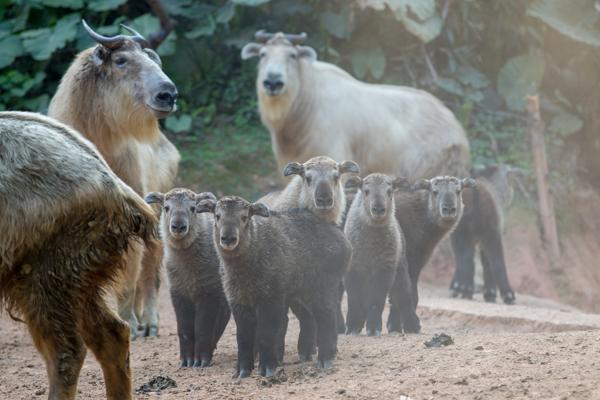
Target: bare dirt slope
{"x":536,"y":349}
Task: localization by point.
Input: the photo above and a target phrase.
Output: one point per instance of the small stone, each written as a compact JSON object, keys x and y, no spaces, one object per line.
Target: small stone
{"x":479,"y":348}
{"x":341,"y":391}
{"x":40,"y":392}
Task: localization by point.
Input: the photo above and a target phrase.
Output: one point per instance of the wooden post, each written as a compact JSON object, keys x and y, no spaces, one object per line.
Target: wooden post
{"x":536,"y":127}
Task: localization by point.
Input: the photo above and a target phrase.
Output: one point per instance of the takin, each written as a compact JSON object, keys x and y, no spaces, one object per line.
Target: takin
{"x":114,"y":94}
{"x":66,"y":221}
{"x":192,"y":264}
{"x":273,"y":261}
{"x":378,"y":255}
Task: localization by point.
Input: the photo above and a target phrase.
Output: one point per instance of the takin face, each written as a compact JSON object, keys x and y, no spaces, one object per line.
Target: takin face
{"x":321,"y":180}
{"x":179,"y":210}
{"x":280,"y":62}
{"x":232,"y":217}
{"x":378,"y":194}
{"x":445,"y":198}
{"x":132,"y":73}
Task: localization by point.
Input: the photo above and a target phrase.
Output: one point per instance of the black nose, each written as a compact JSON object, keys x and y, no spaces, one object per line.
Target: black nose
{"x":167,"y":95}
{"x":378,"y":210}
{"x":178,"y":228}
{"x":273,"y":82}
{"x":227,"y":240}
{"x":324,"y":200}
{"x":449,"y":210}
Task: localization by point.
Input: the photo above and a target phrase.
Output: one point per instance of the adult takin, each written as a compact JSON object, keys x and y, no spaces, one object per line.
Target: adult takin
{"x":66,"y":221}
{"x":272,"y":262}
{"x":192,"y":264}
{"x":395,"y":130}
{"x":379,"y":255}
{"x":114,"y":93}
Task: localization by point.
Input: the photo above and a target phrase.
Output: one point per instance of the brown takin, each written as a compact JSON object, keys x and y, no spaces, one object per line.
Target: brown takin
{"x":114,"y":94}
{"x":378,"y":256}
{"x":427,"y":214}
{"x":313,"y":108}
{"x":66,"y":221}
{"x":192,"y":265}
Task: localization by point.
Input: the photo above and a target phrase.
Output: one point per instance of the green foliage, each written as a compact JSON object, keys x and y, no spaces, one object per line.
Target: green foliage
{"x":520,"y":77}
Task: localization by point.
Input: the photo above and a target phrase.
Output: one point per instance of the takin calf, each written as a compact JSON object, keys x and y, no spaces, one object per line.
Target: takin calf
{"x":192,"y":265}
{"x":379,"y":255}
{"x":426,"y":216}
{"x":66,"y":221}
{"x":482,"y":224}
{"x":272,"y":262}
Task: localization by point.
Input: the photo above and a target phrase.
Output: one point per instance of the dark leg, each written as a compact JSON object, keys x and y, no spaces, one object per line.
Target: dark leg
{"x":325,"y":312}
{"x":340,"y":315}
{"x":464,"y":251}
{"x":223,"y":318}
{"x":270,"y":321}
{"x":308,"y":331}
{"x":403,"y":315}
{"x":245,"y":321}
{"x":379,"y":288}
{"x":489,"y":283}
{"x":356,"y":289}
{"x":491,"y":245}
{"x":184,"y":313}
{"x":281,"y":338}
{"x":206,"y":315}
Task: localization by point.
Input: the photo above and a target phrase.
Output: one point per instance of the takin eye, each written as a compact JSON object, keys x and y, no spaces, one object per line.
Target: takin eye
{"x":308,"y":179}
{"x":244,"y":219}
{"x":193,"y":209}
{"x":217,"y":217}
{"x":120,"y":61}
{"x":293,"y":56}
{"x":367,"y":191}
{"x":262,"y":55}
{"x":389,"y":192}
{"x":167,"y":208}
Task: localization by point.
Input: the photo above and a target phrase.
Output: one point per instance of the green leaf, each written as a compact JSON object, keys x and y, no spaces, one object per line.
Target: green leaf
{"x":371,"y":59}
{"x":10,"y":48}
{"x":206,"y":27}
{"x":252,"y":3}
{"x":225,"y":13}
{"x":105,"y":5}
{"x":41,"y":43}
{"x":472,"y":77}
{"x":451,"y":86}
{"x":577,"y":19}
{"x":74,"y":4}
{"x":426,"y":31}
{"x":147,"y":25}
{"x":336,"y":24}
{"x":519,"y":77}
{"x":179,"y":124}
{"x":565,"y":124}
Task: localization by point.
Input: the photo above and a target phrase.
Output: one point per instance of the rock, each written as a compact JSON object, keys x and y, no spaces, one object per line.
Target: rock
{"x":156,"y":384}
{"x":439,"y":340}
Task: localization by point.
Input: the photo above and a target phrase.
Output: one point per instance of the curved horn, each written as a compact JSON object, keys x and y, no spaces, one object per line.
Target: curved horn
{"x":263,"y":36}
{"x":296,"y":39}
{"x":108,"y":42}
{"x":137,"y":37}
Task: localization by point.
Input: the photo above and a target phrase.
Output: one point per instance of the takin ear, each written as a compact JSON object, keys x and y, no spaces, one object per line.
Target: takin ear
{"x":468,"y":183}
{"x":353,"y":182}
{"x":293,"y":168}
{"x":400,"y":183}
{"x":307,"y":52}
{"x":349,"y":166}
{"x":155,"y":197}
{"x":423,"y":184}
{"x":153,"y":56}
{"x":259,"y":209}
{"x":206,"y":206}
{"x":205,"y":196}
{"x":251,"y":50}
{"x":99,"y":55}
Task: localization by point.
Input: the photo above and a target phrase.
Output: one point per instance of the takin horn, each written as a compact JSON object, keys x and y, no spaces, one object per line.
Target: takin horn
{"x":137,"y":37}
{"x":114,"y":42}
{"x":263,"y":36}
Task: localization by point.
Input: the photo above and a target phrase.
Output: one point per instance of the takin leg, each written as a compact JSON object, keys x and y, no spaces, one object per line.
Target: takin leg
{"x":357,"y":292}
{"x":184,"y":314}
{"x":491,"y":245}
{"x":245,"y":321}
{"x":223,"y":316}
{"x":463,"y":248}
{"x":54,"y":330}
{"x":403,"y":315}
{"x":147,"y":289}
{"x":270,"y":320}
{"x":108,"y":338}
{"x":378,"y":290}
{"x":207,"y":310}
{"x":340,"y":315}
{"x":325,"y":311}
{"x":489,"y":283}
{"x":127,"y":285}
{"x":307,"y":340}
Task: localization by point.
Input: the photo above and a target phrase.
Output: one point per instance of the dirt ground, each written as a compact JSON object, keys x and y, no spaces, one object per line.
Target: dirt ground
{"x":536,"y":349}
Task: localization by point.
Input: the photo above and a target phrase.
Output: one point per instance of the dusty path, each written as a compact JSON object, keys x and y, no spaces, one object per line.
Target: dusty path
{"x":534,"y":350}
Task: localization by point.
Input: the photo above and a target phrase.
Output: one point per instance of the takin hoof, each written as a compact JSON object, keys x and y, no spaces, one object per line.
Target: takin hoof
{"x":489,"y":295}
{"x":373,"y":333}
{"x":244,"y":373}
{"x":326,"y":364}
{"x":413,"y":325}
{"x":186,"y":363}
{"x":353,"y":332}
{"x":268,"y":372}
{"x":509,"y":297}
{"x":306,"y":357}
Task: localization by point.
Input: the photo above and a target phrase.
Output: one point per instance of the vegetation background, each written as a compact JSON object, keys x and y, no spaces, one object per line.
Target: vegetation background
{"x":481,"y":57}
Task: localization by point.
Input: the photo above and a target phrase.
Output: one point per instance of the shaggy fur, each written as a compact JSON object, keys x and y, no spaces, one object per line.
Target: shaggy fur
{"x":192,"y":265}
{"x":108,"y":106}
{"x":379,"y":256}
{"x":390,"y":129}
{"x":66,"y":220}
{"x":272,"y":262}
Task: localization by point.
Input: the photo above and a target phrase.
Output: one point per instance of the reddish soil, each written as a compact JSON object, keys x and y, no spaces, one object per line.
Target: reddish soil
{"x":536,"y":349}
